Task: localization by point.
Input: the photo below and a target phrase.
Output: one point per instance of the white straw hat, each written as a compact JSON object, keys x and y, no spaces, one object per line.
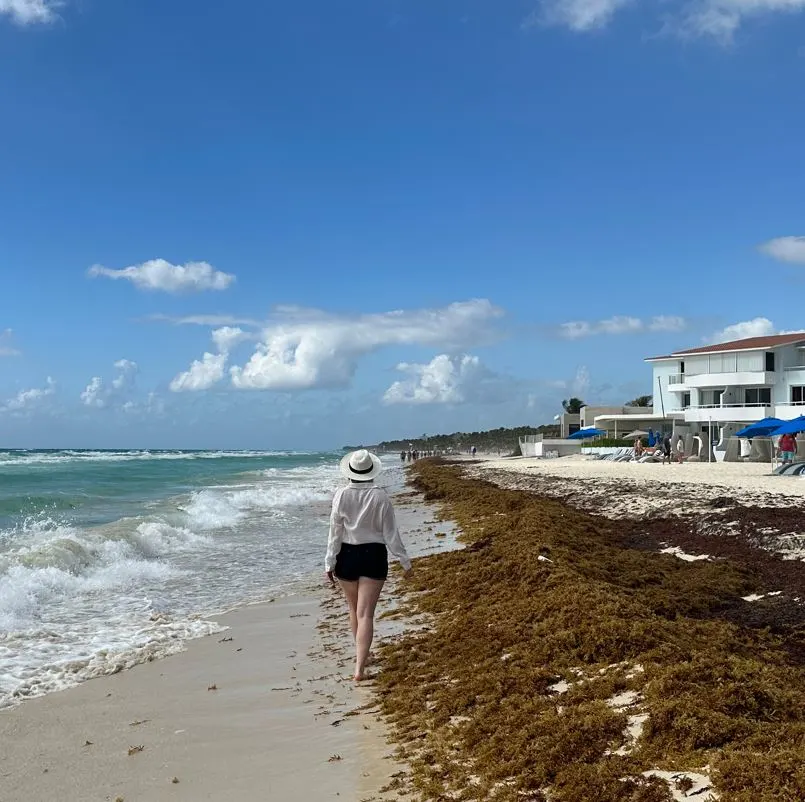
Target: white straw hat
{"x":361,"y":466}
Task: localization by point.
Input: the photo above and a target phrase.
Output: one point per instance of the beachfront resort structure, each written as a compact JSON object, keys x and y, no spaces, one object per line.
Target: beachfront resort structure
{"x":724,"y":387}
{"x":712,"y":391}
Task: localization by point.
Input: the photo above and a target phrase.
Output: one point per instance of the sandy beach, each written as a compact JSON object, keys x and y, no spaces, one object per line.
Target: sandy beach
{"x":265,"y":709}
{"x":596,"y":664}
{"x":586,"y":645}
{"x":753,"y":481}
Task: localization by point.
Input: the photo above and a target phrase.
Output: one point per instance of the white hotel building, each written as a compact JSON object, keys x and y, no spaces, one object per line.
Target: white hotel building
{"x":730,"y":385}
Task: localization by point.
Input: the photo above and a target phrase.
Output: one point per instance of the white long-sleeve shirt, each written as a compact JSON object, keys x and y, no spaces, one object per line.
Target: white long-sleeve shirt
{"x":363,"y":514}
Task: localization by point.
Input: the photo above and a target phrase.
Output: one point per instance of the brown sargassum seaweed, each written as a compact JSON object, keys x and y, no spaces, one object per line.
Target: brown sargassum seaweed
{"x":469,"y":695}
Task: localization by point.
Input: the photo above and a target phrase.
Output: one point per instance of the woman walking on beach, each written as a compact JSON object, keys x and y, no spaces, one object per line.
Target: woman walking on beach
{"x":362,"y":528}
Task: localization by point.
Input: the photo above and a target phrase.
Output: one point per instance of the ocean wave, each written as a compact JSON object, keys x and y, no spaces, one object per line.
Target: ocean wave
{"x":84,"y":593}
{"x":63,"y":663}
{"x":50,"y":560}
{"x":55,"y":457}
{"x":221,"y":508}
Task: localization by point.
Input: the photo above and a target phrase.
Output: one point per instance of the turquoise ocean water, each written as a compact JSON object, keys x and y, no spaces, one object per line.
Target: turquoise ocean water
{"x":109,"y":558}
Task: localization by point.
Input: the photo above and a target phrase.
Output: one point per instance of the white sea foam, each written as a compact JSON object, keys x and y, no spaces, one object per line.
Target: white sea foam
{"x":78,"y":601}
{"x":56,"y":457}
{"x":223,"y":507}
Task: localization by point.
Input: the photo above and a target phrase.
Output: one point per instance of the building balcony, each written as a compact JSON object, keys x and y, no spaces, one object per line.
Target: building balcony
{"x":789,"y":410}
{"x":728,"y":413}
{"x":751,"y":378}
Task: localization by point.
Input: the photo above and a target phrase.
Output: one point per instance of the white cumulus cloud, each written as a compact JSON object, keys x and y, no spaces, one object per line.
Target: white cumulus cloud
{"x":757,"y":327}
{"x":159,"y":274}
{"x":786,"y":249}
{"x":29,"y":12}
{"x":26,"y":399}
{"x":444,"y":380}
{"x":228,"y":337}
{"x":210,"y":369}
{"x":202,"y":374}
{"x":620,"y":324}
{"x":304,"y":349}
{"x":100,"y":395}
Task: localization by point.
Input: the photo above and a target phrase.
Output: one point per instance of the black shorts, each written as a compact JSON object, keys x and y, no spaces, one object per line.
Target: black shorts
{"x":368,"y":560}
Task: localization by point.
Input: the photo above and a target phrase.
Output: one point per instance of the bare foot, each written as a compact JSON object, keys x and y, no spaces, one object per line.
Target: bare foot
{"x":360,"y":677}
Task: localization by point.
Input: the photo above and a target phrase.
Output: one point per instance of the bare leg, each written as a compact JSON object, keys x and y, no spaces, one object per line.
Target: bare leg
{"x":368,"y":594}
{"x":351,"y":593}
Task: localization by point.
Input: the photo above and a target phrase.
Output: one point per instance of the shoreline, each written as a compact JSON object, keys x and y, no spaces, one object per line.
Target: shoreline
{"x":266,"y":708}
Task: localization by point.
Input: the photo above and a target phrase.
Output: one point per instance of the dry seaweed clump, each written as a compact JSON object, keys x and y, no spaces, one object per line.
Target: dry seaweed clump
{"x":560,"y":664}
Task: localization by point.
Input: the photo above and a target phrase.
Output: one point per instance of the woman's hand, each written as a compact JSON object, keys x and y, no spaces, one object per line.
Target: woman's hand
{"x":331,"y":577}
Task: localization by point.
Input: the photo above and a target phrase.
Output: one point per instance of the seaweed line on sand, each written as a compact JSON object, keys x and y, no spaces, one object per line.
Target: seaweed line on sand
{"x":605,"y":673}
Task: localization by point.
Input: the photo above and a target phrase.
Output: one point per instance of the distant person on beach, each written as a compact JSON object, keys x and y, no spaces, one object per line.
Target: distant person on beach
{"x":666,"y":449}
{"x":473,"y":451}
{"x":680,"y":450}
{"x":363,"y":529}
{"x":788,"y":448}
{"x":638,"y":448}
{"x":402,"y":456}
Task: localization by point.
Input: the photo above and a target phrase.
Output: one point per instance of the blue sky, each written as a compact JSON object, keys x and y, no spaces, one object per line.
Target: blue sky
{"x":381,"y":218}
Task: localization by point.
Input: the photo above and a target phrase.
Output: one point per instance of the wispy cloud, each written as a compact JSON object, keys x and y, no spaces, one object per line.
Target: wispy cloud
{"x":578,"y":329}
{"x":6,"y":343}
{"x":578,"y":15}
{"x":207,"y":320}
{"x":30,"y":12}
{"x":785,"y":249}
{"x":159,"y":275}
{"x":718,"y":20}
{"x":721,"y":19}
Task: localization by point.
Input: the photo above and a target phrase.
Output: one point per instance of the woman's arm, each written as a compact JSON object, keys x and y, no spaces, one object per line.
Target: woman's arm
{"x":391,"y":534}
{"x":336,"y":534}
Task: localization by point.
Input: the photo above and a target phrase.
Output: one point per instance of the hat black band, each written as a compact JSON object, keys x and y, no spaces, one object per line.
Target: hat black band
{"x":360,"y":473}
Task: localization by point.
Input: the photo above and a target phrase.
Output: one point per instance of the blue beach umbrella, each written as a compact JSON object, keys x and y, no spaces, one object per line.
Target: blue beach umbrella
{"x":763,"y":428}
{"x":583,"y":434}
{"x":791,"y":426}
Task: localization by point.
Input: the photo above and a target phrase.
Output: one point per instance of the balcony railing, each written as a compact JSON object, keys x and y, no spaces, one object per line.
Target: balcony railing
{"x":730,"y":406}
{"x":752,"y":369}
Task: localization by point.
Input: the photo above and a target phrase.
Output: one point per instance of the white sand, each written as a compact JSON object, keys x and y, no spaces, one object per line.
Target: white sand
{"x":273,"y":729}
{"x":636,"y":490}
{"x":748,"y":477}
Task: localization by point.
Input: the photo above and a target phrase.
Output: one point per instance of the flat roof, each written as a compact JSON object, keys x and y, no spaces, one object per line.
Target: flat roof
{"x":648,"y":416}
{"x":747,"y":344}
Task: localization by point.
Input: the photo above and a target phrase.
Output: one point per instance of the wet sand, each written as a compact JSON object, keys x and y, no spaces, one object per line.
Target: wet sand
{"x":264,"y":710}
